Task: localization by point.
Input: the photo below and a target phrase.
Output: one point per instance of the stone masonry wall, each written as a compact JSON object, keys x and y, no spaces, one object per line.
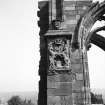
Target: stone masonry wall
{"x":63,"y":82}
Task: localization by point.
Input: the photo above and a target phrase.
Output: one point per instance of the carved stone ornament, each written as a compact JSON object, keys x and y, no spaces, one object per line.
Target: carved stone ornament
{"x":59,"y":55}
{"x":56,"y":24}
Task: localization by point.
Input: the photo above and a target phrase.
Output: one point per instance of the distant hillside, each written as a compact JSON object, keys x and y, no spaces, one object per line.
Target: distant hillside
{"x":24,"y":95}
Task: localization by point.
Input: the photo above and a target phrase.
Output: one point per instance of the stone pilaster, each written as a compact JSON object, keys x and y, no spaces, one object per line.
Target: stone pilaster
{"x":63,"y":69}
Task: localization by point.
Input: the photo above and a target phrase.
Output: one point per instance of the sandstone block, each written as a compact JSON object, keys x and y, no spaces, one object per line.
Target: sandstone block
{"x":76,"y":54}
{"x":60,"y":78}
{"x":70,"y":12}
{"x":79,"y":76}
{"x":73,"y":21}
{"x":71,"y":29}
{"x":83,"y":2}
{"x":57,"y":85}
{"x":53,"y":100}
{"x":77,"y":85}
{"x":69,"y":8}
{"x":69,"y":3}
{"x":61,"y":91}
{"x":77,"y":68}
{"x":76,"y":61}
{"x":59,"y":100}
{"x":82,"y":7}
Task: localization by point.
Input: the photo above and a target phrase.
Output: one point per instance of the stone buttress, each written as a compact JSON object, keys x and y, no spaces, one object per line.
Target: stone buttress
{"x":63,"y":70}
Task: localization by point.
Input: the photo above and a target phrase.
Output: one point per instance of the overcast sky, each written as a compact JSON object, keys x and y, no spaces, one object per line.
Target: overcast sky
{"x":19,"y":49}
{"x":18,"y":46}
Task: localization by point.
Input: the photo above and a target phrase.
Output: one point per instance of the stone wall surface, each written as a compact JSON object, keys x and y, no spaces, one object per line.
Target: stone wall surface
{"x":63,"y":71}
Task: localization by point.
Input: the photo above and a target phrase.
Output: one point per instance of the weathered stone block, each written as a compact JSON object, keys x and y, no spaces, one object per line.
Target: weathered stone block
{"x":69,"y":8}
{"x":57,"y":85}
{"x":64,"y":89}
{"x":66,"y":100}
{"x":80,"y":97}
{"x":70,"y":27}
{"x":60,"y":78}
{"x":70,"y":12}
{"x":59,"y":100}
{"x":76,"y":54}
{"x":77,"y":68}
{"x":69,"y":3}
{"x":79,"y":101}
{"x":77,"y":85}
{"x":83,"y":3}
{"x":82,"y":7}
{"x":53,"y":84}
{"x":76,"y":60}
{"x":70,"y":22}
{"x":53,"y":100}
{"x":80,"y":12}
{"x":79,"y":76}
{"x":70,"y":17}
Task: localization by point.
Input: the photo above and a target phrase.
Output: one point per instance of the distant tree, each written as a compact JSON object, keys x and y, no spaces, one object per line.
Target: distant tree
{"x":27,"y":102}
{"x":15,"y":100}
{"x":93,"y":98}
{"x":30,"y":102}
{"x":96,"y":98}
{"x":24,"y":102}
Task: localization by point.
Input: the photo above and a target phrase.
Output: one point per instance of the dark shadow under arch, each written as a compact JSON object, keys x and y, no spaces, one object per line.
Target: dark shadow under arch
{"x":98,"y":41}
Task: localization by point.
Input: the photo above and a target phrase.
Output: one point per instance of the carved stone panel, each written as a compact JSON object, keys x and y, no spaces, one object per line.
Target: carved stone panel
{"x":58,"y":55}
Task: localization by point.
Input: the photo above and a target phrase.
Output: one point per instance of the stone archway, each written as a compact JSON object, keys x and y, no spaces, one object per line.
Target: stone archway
{"x":83,"y":35}
{"x":98,"y":41}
